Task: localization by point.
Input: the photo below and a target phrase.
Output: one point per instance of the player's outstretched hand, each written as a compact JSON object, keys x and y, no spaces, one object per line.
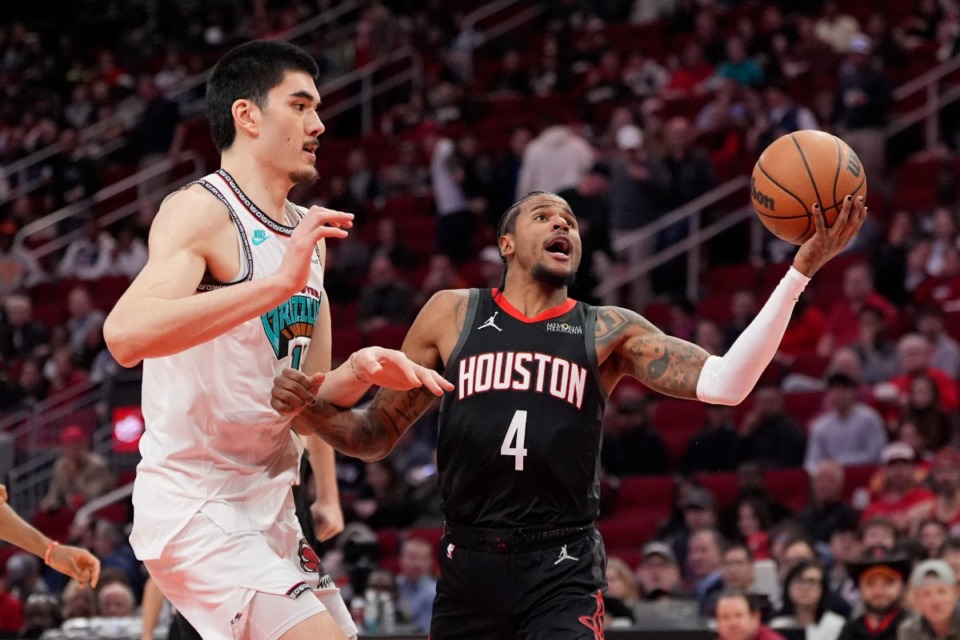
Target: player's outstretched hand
{"x":77,"y":563}
{"x":3,"y":494}
{"x":392,"y":369}
{"x":294,"y":390}
{"x":317,"y":224}
{"x":827,"y":242}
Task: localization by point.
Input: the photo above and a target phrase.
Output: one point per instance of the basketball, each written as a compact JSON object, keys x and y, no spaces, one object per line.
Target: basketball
{"x":798,"y":170}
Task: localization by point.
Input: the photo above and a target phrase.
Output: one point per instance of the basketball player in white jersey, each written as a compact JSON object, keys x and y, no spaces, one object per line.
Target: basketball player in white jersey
{"x":232,"y":294}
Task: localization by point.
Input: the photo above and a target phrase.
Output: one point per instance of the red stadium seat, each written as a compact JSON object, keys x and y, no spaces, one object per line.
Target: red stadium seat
{"x":722,"y":486}
{"x":652,"y":494}
{"x":810,"y":364}
{"x":790,"y":486}
{"x":803,"y":407}
{"x":628,"y":532}
{"x":857,"y":477}
{"x":731,"y":278}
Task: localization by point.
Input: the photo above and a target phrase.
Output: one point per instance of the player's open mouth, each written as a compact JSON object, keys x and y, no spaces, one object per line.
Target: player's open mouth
{"x":311,"y":150}
{"x":559,"y":248}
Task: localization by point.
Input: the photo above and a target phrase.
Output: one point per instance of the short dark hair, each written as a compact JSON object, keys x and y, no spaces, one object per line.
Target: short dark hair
{"x":753,"y":603}
{"x":508,"y":224}
{"x":249,"y":72}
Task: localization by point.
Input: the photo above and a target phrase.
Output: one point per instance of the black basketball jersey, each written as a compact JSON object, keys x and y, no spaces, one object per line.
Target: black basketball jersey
{"x":519,"y":439}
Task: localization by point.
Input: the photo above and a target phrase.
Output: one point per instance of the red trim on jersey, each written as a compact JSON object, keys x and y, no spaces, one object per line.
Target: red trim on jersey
{"x":549,"y":314}
{"x":595,"y":622}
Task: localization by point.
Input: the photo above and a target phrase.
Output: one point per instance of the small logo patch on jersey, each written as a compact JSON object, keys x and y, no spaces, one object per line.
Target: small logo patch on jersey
{"x":565,"y":556}
{"x":309,"y":561}
{"x":491,"y":322}
{"x":563,"y":327}
{"x":450,"y":548}
{"x":259,"y":237}
{"x":298,"y":590}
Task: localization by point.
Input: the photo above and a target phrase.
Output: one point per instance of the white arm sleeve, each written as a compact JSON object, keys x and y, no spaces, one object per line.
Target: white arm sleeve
{"x":729,"y":379}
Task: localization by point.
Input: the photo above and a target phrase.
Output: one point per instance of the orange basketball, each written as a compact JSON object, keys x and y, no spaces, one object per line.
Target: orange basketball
{"x":798,"y":170}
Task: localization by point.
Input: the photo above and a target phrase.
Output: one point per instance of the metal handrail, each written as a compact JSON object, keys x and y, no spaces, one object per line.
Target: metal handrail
{"x":90,"y":132}
{"x":79,"y":208}
{"x":628,"y":243}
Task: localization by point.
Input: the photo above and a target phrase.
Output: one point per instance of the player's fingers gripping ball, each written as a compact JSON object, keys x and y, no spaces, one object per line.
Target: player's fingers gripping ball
{"x":798,"y":170}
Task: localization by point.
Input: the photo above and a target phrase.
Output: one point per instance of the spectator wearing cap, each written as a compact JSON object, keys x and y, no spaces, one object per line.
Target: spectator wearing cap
{"x":703,"y":567}
{"x":737,"y":617}
{"x":861,"y":106}
{"x":933,"y":595}
{"x":850,"y":432}
{"x":901,"y":492}
{"x":591,"y":202}
{"x":945,"y":482}
{"x":826,"y":510}
{"x":79,"y":474}
{"x":881,"y":579}
{"x":664,"y":602}
{"x":698,"y":511}
{"x":659,"y":573}
{"x":950,"y":553}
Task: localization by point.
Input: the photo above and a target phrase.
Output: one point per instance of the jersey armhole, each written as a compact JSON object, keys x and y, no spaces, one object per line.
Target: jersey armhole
{"x":473,"y":301}
{"x":245,"y":270}
{"x":589,"y":339}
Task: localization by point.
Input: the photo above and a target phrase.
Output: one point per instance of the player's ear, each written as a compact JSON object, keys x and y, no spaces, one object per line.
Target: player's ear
{"x":506,"y":244}
{"x":246,"y":117}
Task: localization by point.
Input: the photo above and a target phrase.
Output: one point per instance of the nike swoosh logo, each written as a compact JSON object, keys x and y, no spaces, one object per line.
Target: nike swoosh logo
{"x":258,"y":240}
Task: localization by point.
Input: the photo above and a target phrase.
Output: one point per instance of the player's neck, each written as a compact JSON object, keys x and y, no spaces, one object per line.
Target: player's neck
{"x":266,"y":190}
{"x":531,"y":298}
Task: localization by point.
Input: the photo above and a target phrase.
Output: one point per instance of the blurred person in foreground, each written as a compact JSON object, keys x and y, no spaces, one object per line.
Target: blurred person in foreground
{"x":933,"y":595}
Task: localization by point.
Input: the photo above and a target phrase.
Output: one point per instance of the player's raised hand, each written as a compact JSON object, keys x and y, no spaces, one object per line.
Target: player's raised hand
{"x":294,"y":390}
{"x":77,"y":563}
{"x":827,"y":242}
{"x":392,"y":369}
{"x":317,"y":224}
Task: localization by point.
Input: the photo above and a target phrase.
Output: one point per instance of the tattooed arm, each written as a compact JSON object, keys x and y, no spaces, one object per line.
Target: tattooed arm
{"x":370,"y":434}
{"x":630,"y":345}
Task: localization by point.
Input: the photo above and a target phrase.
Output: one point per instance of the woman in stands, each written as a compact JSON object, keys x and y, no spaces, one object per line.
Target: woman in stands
{"x":804,"y":603}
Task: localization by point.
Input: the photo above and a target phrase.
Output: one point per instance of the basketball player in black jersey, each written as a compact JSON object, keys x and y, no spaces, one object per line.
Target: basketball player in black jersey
{"x":520,"y":435}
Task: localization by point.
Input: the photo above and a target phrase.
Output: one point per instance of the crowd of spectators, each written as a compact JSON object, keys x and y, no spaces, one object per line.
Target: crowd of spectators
{"x":626,"y":132}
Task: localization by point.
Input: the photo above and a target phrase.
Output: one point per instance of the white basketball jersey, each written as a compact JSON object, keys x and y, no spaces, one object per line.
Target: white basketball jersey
{"x":212,"y":441}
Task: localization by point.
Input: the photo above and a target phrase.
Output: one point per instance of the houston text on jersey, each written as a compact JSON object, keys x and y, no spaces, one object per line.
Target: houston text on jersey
{"x":522,"y":371}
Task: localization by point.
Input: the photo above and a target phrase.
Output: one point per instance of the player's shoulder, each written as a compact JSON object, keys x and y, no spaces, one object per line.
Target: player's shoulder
{"x":194,"y":203}
{"x":447,"y":301}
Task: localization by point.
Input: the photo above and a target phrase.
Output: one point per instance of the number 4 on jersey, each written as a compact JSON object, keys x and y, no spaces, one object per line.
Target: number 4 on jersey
{"x":513,"y":441}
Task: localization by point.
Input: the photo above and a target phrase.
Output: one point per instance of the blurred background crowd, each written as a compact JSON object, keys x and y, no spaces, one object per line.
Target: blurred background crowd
{"x":848,"y":451}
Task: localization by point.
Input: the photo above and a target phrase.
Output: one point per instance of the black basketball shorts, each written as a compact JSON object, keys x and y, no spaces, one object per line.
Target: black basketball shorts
{"x":551,"y":593}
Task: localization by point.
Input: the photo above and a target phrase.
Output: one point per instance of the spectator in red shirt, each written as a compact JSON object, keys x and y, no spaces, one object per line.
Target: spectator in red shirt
{"x":738,"y":618}
{"x":942,"y":289}
{"x":914,"y":353}
{"x":901,"y":493}
{"x":691,"y":76}
{"x":806,"y":329}
{"x":842,"y":320}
